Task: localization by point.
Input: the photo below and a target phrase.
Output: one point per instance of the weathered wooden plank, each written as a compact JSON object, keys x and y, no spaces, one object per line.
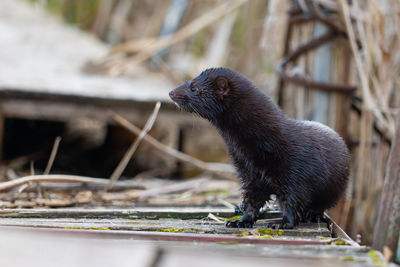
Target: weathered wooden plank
{"x":388,"y":225}
{"x":45,"y":250}
{"x":136,"y":213}
{"x":105,"y":248}
{"x":303,"y":232}
{"x":194,"y":237}
{"x":139,"y":212}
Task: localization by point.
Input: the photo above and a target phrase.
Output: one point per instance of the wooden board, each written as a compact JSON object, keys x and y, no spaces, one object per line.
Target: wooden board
{"x":39,"y":248}
{"x":73,"y":240}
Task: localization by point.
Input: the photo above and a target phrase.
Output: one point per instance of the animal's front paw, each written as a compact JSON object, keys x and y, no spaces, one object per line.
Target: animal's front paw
{"x":281,"y":225}
{"x":239,"y":224}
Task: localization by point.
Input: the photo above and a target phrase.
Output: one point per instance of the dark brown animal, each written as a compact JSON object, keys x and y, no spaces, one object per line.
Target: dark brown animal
{"x":305,"y":164}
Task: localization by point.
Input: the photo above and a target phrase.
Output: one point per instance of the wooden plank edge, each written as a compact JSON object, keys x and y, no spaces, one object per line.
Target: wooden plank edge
{"x":136,"y":213}
{"x":162,"y":236}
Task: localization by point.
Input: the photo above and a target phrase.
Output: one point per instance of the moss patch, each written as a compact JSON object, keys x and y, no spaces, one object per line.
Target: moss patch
{"x":341,"y":243}
{"x":227,"y":243}
{"x":268,"y":231}
{"x":238,"y":217}
{"x":348,"y":258}
{"x":87,"y":228}
{"x":261,"y":233}
{"x":174,"y":230}
{"x":375,"y":257}
{"x":99,"y":228}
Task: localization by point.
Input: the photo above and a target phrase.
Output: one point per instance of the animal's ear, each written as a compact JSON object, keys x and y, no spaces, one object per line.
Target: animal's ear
{"x":222,"y":87}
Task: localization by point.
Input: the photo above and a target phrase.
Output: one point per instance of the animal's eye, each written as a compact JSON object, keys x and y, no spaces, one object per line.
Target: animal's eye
{"x":193,"y":89}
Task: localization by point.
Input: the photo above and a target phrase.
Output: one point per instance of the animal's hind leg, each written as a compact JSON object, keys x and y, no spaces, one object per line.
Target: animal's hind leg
{"x":311,"y":216}
{"x":290,"y":217}
{"x":292,"y":213}
{"x":254,"y":197}
{"x":314,"y":217}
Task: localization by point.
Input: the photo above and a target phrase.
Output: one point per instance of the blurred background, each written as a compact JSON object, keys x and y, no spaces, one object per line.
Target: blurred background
{"x":66,"y":64}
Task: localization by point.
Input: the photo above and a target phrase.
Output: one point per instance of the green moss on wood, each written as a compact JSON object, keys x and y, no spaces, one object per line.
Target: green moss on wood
{"x":348,"y":258}
{"x":267,"y":231}
{"x":375,"y":257}
{"x":174,"y":230}
{"x":87,"y":228}
{"x":227,"y":243}
{"x":238,"y":217}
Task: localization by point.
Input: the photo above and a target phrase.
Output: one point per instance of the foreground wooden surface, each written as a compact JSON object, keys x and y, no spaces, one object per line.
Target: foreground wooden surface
{"x":164,"y":237}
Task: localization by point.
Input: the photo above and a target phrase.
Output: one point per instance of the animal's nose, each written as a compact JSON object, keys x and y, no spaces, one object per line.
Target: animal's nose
{"x":171,"y":93}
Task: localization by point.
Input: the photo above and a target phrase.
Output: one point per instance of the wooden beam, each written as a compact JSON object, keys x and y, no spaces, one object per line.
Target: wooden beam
{"x":388,"y":225}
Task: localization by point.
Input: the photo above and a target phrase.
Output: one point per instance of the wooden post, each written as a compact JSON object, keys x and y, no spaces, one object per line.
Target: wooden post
{"x":388,"y":224}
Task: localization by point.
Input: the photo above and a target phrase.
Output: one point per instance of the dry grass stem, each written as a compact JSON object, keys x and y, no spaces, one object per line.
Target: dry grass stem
{"x":368,"y":101}
{"x":214,"y":218}
{"x":32,"y":170}
{"x":59,"y":178}
{"x":52,"y":155}
{"x":145,"y":194}
{"x":221,"y":169}
{"x":177,"y":187}
{"x":128,"y":155}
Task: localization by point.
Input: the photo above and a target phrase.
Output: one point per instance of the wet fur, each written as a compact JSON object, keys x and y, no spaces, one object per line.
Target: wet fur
{"x":305,"y":164}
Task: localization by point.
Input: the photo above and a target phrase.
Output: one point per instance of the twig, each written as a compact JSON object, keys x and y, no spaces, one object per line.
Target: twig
{"x":52,"y":155}
{"x":24,"y":186}
{"x":357,"y":57}
{"x":50,"y":162}
{"x":369,"y":102}
{"x":52,"y":178}
{"x":221,"y":169}
{"x":143,"y":195}
{"x":215,"y":218}
{"x":32,"y":167}
{"x":128,"y":155}
{"x":339,"y":231}
{"x":178,"y":187}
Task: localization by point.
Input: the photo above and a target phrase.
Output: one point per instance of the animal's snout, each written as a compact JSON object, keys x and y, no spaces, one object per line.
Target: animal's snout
{"x":172,"y":93}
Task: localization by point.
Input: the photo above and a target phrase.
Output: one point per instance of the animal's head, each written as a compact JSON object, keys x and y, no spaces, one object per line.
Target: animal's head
{"x":208,"y":94}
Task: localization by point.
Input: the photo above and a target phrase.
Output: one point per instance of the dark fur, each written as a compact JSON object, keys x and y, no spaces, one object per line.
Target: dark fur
{"x":305,"y":165}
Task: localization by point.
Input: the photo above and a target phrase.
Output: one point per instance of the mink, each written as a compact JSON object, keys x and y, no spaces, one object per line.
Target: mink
{"x":304,"y":163}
